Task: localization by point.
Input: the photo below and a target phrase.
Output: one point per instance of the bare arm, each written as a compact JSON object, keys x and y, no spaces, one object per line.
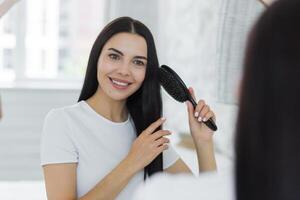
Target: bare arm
{"x":178,"y":167}
{"x":113,"y":183}
{"x":202,"y":137}
{"x":60,"y":179}
{"x":206,"y":157}
{"x":206,"y":161}
{"x":60,"y":182}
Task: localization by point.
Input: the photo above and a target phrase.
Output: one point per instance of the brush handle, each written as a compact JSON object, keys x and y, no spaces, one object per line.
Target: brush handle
{"x":210,"y":122}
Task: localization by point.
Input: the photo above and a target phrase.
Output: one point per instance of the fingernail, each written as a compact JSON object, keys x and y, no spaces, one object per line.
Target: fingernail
{"x":196,"y":114}
{"x":204,"y":119}
{"x":199,"y":119}
{"x":163,"y":119}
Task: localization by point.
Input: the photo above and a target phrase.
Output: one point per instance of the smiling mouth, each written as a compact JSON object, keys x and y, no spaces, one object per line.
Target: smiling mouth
{"x":119,"y":84}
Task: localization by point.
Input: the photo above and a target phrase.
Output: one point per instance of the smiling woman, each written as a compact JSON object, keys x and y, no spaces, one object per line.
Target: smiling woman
{"x":104,"y":146}
{"x":91,"y":150}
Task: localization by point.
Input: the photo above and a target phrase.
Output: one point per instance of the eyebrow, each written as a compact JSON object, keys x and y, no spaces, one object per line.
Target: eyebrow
{"x":119,"y":52}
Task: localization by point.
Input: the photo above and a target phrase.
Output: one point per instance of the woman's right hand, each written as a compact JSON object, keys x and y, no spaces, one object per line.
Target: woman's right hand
{"x":148,"y":145}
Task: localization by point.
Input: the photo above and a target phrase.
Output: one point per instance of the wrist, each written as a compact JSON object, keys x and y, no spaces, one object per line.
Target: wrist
{"x":206,"y":156}
{"x":199,"y":141}
{"x":130,"y":166}
{"x":205,"y":149}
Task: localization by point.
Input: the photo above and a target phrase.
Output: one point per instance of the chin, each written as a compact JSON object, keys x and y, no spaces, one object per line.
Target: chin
{"x":121,"y":97}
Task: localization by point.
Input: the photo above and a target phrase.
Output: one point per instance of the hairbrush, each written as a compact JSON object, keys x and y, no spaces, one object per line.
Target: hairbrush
{"x":177,"y":89}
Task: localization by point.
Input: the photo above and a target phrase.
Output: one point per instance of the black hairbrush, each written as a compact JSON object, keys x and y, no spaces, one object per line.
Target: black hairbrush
{"x":173,"y":84}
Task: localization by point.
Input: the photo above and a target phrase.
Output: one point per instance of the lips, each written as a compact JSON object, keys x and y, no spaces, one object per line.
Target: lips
{"x":120,"y":84}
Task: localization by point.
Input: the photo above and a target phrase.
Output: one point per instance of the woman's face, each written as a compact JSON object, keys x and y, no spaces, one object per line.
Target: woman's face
{"x":122,"y":65}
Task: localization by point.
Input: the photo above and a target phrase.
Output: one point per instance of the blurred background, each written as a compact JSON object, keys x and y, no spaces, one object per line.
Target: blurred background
{"x":44,"y":49}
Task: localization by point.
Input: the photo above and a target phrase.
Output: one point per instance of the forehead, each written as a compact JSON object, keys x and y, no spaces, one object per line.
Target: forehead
{"x":128,"y":43}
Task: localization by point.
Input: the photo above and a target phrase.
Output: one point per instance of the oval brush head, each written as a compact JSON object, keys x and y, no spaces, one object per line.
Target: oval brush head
{"x":169,"y":81}
{"x":175,"y":87}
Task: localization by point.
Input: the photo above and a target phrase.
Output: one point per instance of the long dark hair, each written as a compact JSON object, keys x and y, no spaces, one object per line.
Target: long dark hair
{"x":145,"y":105}
{"x":267,"y":146}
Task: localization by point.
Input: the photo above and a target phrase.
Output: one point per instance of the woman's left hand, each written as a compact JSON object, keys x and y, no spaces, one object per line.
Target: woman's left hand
{"x":200,"y":132}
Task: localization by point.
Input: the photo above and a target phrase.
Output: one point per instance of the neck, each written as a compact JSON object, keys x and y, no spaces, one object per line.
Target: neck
{"x":111,"y":109}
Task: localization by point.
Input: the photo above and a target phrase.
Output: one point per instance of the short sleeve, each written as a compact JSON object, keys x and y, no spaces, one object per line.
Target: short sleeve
{"x":56,"y":144}
{"x":170,"y":156}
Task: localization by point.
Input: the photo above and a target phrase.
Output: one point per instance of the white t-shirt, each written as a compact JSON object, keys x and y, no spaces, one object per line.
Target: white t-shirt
{"x":208,"y":186}
{"x":77,"y":134}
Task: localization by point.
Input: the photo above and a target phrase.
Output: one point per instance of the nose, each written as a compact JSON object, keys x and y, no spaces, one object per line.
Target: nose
{"x":123,"y":69}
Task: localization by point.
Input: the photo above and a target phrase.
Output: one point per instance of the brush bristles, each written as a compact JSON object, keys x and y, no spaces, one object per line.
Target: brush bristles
{"x":172,"y":85}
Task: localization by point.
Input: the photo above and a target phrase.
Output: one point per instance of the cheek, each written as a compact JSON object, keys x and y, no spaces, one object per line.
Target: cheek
{"x":104,"y":67}
{"x":101,"y":71}
{"x":140,"y":75}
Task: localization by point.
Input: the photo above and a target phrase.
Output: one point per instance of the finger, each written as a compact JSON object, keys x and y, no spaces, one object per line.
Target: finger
{"x":209,"y":115}
{"x":161,"y":141}
{"x":205,"y":109}
{"x":154,"y":126}
{"x":190,"y":109}
{"x":192,"y":92}
{"x":161,"y":148}
{"x":199,"y":108}
{"x":158,"y":134}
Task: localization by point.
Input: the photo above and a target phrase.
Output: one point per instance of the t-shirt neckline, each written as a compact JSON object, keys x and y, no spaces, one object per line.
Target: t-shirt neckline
{"x":87,"y":107}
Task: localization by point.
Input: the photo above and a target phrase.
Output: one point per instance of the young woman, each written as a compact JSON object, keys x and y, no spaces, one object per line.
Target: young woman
{"x":112,"y":139}
{"x":268,"y":133}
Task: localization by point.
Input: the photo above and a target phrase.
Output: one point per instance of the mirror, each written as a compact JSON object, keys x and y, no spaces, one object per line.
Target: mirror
{"x":44,"y":49}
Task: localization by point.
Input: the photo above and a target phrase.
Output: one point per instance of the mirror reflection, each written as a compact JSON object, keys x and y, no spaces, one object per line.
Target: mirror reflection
{"x":83,"y":115}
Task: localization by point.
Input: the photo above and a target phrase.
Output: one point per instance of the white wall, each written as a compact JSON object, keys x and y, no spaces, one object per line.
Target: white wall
{"x":235,"y":21}
{"x":23,"y":114}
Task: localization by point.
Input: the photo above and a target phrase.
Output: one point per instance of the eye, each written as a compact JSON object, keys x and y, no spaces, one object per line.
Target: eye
{"x":139,"y":63}
{"x":113,"y":56}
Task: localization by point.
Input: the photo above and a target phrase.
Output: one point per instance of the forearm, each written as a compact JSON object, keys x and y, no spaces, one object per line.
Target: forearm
{"x":113,"y":183}
{"x":206,"y":156}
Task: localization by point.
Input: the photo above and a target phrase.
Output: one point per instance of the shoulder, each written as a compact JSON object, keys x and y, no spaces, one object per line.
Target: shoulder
{"x":58,"y":125}
{"x":61,"y":118}
{"x":60,"y":114}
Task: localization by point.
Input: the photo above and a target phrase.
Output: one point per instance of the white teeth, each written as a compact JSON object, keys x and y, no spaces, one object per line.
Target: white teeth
{"x":119,"y":83}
